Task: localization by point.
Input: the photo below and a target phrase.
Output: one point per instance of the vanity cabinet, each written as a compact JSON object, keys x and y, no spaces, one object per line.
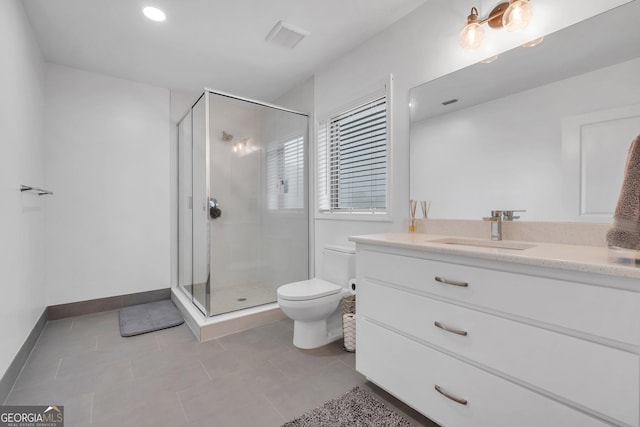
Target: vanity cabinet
{"x":473,"y":343}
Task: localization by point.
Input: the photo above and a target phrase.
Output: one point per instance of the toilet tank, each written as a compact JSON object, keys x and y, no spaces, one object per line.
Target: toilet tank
{"x":339,"y":264}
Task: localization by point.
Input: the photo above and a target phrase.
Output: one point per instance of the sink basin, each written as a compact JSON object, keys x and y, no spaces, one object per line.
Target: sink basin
{"x":497,"y":244}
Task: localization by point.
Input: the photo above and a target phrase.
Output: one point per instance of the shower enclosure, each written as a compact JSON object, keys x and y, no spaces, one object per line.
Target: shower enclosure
{"x":243,"y":212}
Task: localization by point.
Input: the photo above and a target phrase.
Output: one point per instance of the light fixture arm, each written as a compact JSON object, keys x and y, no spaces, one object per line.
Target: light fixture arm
{"x":473,"y":16}
{"x":513,"y":15}
{"x":494,"y":20}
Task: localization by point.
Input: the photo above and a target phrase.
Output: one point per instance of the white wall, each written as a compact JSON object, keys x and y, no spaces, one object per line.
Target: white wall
{"x":21,"y":162}
{"x":107,"y":160}
{"x":418,"y":48}
{"x":299,"y":98}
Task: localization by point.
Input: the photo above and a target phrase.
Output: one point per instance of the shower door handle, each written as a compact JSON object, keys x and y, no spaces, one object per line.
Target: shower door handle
{"x":214,"y":208}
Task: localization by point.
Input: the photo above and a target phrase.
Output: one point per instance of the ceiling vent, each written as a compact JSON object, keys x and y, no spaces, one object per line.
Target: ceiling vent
{"x":286,"y":35}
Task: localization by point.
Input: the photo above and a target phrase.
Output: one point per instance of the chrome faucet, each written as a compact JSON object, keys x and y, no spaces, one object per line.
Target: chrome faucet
{"x":496,"y":224}
{"x":496,"y":219}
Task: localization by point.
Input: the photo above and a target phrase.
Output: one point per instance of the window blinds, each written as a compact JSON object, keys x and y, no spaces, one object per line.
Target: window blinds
{"x":285,"y":175}
{"x":352,"y":159}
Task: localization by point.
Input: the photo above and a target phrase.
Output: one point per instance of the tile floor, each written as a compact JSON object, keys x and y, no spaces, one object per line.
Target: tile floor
{"x":167,"y":378}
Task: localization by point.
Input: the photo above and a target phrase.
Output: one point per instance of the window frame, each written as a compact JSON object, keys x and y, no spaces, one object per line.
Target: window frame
{"x":384,"y":89}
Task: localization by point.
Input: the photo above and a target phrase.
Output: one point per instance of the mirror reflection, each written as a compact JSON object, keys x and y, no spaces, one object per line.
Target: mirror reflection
{"x":544,"y":129}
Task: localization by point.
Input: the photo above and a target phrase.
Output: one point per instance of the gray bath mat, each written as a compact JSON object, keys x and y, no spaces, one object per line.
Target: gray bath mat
{"x":143,"y":318}
{"x":354,"y":409}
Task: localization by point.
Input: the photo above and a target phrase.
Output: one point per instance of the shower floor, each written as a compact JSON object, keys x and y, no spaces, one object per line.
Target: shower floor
{"x":232,"y":298}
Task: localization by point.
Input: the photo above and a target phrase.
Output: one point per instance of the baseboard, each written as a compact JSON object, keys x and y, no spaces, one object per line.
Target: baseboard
{"x":11,"y":375}
{"x":62,"y":311}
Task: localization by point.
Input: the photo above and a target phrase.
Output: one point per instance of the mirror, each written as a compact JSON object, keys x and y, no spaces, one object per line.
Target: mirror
{"x":544,"y":129}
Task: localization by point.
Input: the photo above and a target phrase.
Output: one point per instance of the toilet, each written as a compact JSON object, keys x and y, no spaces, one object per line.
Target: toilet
{"x":314,"y":305}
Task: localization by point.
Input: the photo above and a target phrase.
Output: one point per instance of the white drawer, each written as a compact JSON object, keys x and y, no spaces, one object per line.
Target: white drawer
{"x":600,"y":311}
{"x":593,"y":375}
{"x":410,"y":371}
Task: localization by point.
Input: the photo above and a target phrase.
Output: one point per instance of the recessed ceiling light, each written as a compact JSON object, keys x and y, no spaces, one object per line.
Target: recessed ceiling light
{"x":154,"y":14}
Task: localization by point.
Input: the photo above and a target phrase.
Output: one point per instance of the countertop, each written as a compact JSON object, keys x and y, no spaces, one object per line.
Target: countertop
{"x":589,"y":259}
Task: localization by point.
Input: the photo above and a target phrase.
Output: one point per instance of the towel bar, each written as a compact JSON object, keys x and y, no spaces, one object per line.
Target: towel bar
{"x":40,"y":191}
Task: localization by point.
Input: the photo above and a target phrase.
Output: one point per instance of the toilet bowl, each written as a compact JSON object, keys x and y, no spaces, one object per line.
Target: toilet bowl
{"x":314,"y":305}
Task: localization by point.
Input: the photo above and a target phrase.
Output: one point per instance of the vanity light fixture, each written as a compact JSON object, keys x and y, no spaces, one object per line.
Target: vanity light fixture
{"x":490,"y":59}
{"x":517,"y":15}
{"x":472,"y":34}
{"x":513,"y":15}
{"x":154,"y":14}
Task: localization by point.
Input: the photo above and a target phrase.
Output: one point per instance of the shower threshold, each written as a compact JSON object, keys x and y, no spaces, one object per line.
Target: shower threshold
{"x":231,"y":298}
{"x":208,"y":328}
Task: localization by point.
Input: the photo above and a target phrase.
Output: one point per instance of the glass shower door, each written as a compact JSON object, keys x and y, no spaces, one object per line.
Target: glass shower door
{"x":201,"y":278}
{"x":258,"y":177}
{"x":185,"y":206}
{"x":193,"y":224}
{"x":243,"y":202}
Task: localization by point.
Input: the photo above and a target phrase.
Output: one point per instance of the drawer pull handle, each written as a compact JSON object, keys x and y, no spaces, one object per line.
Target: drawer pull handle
{"x":446,"y":328}
{"x":451,"y":282}
{"x":448,"y":396}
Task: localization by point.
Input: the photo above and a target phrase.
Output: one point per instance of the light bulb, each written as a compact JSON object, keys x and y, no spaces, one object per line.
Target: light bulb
{"x":154,"y":14}
{"x":517,"y":15}
{"x":471,"y":36}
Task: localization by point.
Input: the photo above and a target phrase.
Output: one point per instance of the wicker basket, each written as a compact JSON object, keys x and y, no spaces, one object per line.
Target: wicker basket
{"x":349,"y":323}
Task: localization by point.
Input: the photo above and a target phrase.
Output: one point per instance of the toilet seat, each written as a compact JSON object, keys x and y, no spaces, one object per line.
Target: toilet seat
{"x":307,"y":290}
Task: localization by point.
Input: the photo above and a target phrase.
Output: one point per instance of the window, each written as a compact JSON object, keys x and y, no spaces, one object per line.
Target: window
{"x":353,"y":157}
{"x":285,"y":174}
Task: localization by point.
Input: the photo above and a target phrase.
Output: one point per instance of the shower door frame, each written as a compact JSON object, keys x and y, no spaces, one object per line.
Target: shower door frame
{"x":207,"y":190}
{"x":206,"y":94}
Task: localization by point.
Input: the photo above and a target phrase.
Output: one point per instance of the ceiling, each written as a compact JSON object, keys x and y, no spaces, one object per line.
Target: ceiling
{"x":218,"y":44}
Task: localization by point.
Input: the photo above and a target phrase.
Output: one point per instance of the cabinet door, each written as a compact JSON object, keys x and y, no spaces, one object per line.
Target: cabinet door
{"x":586,"y":373}
{"x":595,"y":310}
{"x":411,"y":372}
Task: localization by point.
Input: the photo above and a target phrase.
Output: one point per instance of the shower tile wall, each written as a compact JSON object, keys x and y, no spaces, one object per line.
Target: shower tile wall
{"x":235,"y":183}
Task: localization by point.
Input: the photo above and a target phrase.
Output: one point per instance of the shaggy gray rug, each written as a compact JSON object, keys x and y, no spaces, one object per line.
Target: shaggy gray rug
{"x":354,"y":409}
{"x":143,"y":318}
